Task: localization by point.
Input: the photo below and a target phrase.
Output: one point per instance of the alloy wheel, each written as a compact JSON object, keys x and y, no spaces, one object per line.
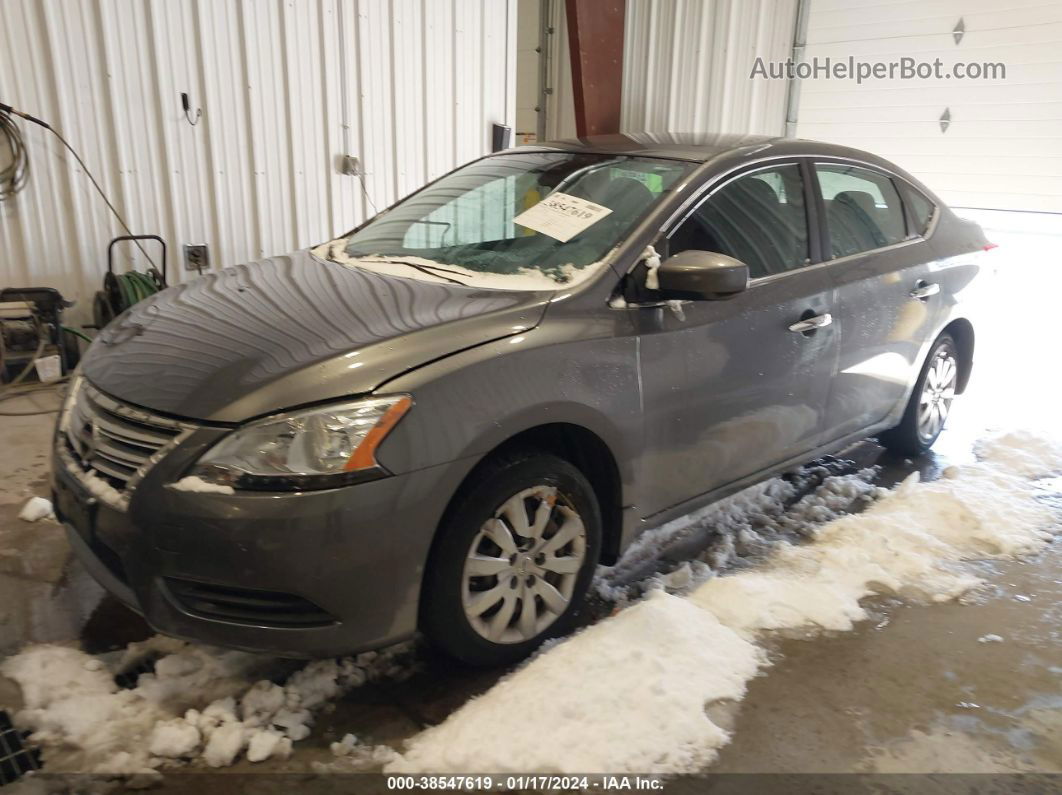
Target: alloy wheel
{"x":522,"y":566}
{"x":938,"y":391}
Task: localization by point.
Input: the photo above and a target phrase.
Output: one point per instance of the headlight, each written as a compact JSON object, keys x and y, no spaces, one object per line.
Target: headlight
{"x":316,"y":448}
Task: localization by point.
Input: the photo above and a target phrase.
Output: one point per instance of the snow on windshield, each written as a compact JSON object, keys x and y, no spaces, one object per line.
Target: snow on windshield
{"x":413,"y":267}
{"x":525,"y":220}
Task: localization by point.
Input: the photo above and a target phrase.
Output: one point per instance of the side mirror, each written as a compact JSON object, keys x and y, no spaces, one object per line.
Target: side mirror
{"x":702,"y":275}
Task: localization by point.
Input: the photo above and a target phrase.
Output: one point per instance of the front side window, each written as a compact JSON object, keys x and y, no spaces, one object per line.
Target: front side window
{"x":758,"y":218}
{"x":473,"y":226}
{"x":863,"y":209}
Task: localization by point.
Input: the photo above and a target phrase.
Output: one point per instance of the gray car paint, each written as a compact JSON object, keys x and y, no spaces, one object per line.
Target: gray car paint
{"x":290,"y":330}
{"x":691,"y":405}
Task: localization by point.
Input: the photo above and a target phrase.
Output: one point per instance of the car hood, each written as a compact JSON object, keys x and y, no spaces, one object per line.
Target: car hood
{"x":288,"y":331}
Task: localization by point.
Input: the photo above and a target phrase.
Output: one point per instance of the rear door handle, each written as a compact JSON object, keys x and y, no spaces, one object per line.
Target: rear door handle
{"x":924,"y":290}
{"x":812,"y":323}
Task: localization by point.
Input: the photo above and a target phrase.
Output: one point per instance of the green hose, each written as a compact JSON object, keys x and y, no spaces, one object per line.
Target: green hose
{"x":77,"y":333}
{"x":134,"y":287}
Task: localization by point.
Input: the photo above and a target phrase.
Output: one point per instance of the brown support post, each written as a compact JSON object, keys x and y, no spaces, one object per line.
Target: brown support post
{"x":595,"y":40}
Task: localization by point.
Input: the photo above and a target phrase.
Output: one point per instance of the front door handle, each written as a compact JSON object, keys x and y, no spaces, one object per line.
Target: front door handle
{"x":812,"y":323}
{"x":923,"y":290}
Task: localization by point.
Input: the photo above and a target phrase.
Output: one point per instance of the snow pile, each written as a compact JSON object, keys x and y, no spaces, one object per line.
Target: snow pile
{"x":35,"y":509}
{"x":626,"y":694}
{"x":905,"y":545}
{"x":734,"y":530}
{"x":353,"y":757}
{"x":194,"y":483}
{"x":630,"y":694}
{"x":1023,"y":453}
{"x":198,"y":704}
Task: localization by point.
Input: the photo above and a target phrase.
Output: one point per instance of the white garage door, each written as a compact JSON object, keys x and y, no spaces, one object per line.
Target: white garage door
{"x":1002,"y":146}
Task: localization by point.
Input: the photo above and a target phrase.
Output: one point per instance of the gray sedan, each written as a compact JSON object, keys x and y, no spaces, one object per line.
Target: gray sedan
{"x":445,"y":419}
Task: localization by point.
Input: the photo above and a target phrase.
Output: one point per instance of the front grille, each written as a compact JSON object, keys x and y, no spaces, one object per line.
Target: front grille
{"x":15,"y":758}
{"x":247,"y":605}
{"x":115,"y":441}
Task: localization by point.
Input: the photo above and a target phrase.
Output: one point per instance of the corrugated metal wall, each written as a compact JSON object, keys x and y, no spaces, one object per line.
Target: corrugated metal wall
{"x":410,"y":87}
{"x":686,"y":65}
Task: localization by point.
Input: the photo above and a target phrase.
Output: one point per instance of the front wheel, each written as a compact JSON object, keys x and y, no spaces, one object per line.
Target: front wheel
{"x":930,"y":402}
{"x":513,"y":560}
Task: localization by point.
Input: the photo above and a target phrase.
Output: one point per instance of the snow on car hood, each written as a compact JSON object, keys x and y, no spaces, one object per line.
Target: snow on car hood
{"x":290,"y":330}
{"x":570,"y":275}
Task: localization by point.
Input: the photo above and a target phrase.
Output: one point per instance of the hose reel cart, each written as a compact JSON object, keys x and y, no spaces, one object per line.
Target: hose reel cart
{"x":122,"y":290}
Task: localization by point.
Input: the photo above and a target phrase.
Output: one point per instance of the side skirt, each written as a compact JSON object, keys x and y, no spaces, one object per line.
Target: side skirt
{"x":633,"y":527}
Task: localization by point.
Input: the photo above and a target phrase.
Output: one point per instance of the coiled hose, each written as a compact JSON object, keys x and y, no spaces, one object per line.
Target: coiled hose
{"x":133,"y":287}
{"x":122,"y":290}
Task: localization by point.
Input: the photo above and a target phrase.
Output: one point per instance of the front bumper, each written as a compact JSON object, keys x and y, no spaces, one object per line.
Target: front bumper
{"x":357,"y":553}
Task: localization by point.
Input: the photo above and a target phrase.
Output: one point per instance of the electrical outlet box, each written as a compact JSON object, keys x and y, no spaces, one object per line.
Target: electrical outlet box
{"x":347,"y":165}
{"x":196,"y":257}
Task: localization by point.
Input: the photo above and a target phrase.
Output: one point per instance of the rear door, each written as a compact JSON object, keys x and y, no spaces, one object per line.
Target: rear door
{"x":733,"y":386}
{"x":887,"y":299}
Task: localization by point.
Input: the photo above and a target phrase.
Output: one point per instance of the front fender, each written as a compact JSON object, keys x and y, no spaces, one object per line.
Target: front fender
{"x":468,"y":404}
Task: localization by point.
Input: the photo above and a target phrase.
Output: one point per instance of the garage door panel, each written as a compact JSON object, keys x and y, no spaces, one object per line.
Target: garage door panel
{"x":1019,"y":201}
{"x":856,"y":13}
{"x":981,"y":28}
{"x":999,"y":166}
{"x":973,"y":130}
{"x":935,"y":145}
{"x":1001,"y":148}
{"x":903,"y":113}
{"x":969,"y":94}
{"x":998,"y":46}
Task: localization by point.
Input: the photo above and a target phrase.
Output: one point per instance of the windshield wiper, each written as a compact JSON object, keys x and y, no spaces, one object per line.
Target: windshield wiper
{"x":431,"y":270}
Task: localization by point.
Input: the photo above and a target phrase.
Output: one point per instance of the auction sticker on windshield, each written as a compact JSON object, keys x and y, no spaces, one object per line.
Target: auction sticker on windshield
{"x":562,"y":216}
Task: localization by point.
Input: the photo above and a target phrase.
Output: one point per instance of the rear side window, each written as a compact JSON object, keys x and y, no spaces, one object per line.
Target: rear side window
{"x":863,"y":209}
{"x":920,"y":207}
{"x":758,"y":218}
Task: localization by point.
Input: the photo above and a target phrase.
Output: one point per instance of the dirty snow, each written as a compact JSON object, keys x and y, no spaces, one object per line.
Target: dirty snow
{"x":97,"y":486}
{"x":637,"y":692}
{"x":1023,"y":453}
{"x":737,"y":530}
{"x":634,"y":693}
{"x":194,"y":483}
{"x":35,"y":509}
{"x":200,"y":704}
{"x":626,"y":694}
{"x":526,"y":279}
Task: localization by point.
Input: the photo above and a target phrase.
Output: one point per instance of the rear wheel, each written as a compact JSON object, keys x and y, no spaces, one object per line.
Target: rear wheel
{"x":930,"y":402}
{"x":513,"y":560}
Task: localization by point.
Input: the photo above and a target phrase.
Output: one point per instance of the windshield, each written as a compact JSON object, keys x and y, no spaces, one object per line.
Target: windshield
{"x":526,"y":220}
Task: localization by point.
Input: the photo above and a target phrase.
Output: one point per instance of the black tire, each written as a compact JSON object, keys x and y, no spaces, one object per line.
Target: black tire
{"x":442,"y":614}
{"x":906,"y":438}
{"x":71,"y":350}
{"x":102,"y":311}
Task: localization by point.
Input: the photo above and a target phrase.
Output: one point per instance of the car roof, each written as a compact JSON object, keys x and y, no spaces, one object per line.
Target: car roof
{"x":698,"y":147}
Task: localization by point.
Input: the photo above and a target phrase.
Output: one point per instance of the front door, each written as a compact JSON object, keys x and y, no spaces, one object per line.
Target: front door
{"x":734,"y":386}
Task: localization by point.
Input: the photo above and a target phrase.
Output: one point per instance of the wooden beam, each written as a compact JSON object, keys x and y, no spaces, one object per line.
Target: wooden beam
{"x":595,"y":41}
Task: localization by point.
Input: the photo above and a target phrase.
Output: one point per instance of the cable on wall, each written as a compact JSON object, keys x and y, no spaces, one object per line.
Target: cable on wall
{"x":6,"y":111}
{"x":13,"y":174}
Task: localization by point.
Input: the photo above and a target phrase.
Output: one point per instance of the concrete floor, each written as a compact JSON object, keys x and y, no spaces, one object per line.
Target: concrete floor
{"x":913,"y":691}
